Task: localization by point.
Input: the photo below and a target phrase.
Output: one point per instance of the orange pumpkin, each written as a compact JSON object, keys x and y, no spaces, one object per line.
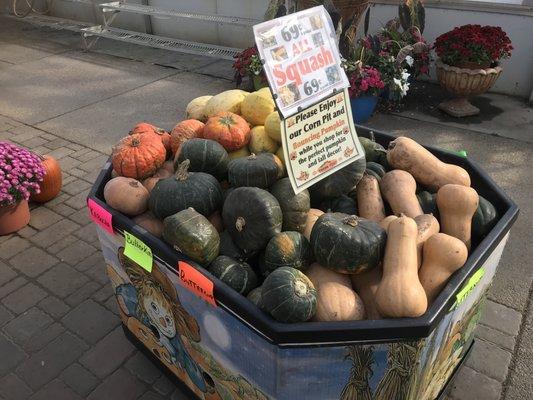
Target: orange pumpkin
{"x":229,"y":129}
{"x":185,"y":130}
{"x":138,"y":156}
{"x":52,"y":182}
{"x":144,"y":127}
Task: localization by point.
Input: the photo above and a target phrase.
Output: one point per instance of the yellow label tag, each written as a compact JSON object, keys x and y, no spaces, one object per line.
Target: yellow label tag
{"x":468,"y":287}
{"x":137,"y":251}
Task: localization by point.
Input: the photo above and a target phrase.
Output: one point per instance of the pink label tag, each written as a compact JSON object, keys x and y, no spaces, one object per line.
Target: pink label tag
{"x":100,"y":216}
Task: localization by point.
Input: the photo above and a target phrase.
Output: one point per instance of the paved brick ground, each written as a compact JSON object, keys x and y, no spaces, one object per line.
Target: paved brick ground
{"x":60,"y":336}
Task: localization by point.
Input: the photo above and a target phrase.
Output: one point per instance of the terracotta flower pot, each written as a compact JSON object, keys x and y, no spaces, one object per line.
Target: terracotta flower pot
{"x":14,"y":217}
{"x":463,"y":83}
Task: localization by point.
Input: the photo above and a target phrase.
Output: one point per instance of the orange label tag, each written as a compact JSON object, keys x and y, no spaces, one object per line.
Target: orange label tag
{"x":196,"y":282}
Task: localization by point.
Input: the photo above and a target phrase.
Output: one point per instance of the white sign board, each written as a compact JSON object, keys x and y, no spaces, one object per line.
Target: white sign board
{"x":300,"y":58}
{"x":319,"y":141}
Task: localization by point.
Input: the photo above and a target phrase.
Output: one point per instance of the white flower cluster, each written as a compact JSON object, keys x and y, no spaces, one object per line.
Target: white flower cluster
{"x":401,"y":83}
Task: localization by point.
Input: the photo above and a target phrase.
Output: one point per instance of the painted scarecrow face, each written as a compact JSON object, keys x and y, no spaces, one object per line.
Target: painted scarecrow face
{"x":159,"y":312}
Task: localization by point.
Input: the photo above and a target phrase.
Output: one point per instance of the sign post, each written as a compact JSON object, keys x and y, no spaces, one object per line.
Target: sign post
{"x":303,"y":67}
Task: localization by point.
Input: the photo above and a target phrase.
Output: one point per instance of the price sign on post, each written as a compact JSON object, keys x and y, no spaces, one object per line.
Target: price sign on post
{"x":319,"y":141}
{"x":301,"y":58}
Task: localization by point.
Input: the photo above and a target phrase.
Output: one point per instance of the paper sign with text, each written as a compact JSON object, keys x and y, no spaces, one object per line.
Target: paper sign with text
{"x":196,"y":282}
{"x":100,"y":216}
{"x":319,"y":141}
{"x":137,"y":251}
{"x":301,"y":58}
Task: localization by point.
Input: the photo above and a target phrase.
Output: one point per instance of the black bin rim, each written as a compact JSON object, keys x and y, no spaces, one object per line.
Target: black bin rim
{"x":308,"y":334}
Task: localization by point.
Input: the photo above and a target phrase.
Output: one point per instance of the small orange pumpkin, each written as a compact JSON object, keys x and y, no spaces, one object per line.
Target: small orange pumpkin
{"x":144,"y":127}
{"x":52,"y":182}
{"x":138,"y":156}
{"x":229,"y":129}
{"x":185,"y":130}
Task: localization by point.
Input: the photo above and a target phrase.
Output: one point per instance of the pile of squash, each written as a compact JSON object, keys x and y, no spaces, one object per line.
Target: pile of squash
{"x":377,"y":239}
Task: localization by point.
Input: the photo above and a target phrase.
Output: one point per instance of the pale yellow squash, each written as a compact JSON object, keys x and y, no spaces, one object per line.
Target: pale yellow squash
{"x":272,"y":126}
{"x":230,"y":100}
{"x":196,"y":108}
{"x":257,"y":106}
{"x":260,"y":142}
{"x":242,"y":152}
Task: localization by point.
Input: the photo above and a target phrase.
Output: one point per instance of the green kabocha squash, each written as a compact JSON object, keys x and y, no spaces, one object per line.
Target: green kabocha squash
{"x":205,"y":156}
{"x":192,"y":234}
{"x":340,"y":182}
{"x":375,"y":169}
{"x":230,"y":249}
{"x":255,"y":296}
{"x":185,"y":189}
{"x":347,"y":244}
{"x":373,"y":151}
{"x":293,"y":206}
{"x":288,"y":295}
{"x":484,"y":219}
{"x":257,"y":170}
{"x":236,"y":274}
{"x":428,"y":202}
{"x":343,"y":204}
{"x":251,"y":216}
{"x":288,"y":249}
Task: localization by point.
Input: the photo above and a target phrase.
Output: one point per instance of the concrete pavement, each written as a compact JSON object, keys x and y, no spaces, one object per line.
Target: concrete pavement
{"x":56,"y":99}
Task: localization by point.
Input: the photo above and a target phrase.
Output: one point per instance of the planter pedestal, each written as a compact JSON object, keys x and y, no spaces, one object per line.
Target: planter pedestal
{"x":458,"y":107}
{"x":463,"y":83}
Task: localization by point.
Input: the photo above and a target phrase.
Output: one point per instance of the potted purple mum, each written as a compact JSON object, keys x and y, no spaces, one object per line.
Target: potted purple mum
{"x":20,"y":174}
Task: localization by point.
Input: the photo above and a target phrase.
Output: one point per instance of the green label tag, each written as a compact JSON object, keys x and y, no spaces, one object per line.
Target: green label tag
{"x":462,"y":153}
{"x":137,"y":251}
{"x":468,"y":287}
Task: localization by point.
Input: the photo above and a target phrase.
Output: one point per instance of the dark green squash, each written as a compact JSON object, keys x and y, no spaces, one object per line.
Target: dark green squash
{"x":428,"y":202}
{"x":343,"y":204}
{"x":257,"y":170}
{"x":230,"y":249}
{"x":340,"y":182}
{"x":347,"y":243}
{"x":288,"y":249}
{"x":236,"y":274}
{"x":251,"y":216}
{"x":289,"y":296}
{"x":375,"y":169}
{"x":192,"y":234}
{"x":198,"y":190}
{"x":255,"y":296}
{"x":205,"y":156}
{"x":293,"y":206}
{"x":374,"y":152}
{"x":484,"y":219}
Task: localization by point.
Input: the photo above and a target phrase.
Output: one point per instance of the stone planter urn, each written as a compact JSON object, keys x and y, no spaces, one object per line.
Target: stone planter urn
{"x":464,"y":83}
{"x":14,"y":217}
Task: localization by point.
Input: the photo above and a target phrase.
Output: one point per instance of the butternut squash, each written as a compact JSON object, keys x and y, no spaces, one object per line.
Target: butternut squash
{"x":319,"y":274}
{"x":385,"y":222}
{"x":336,"y":302}
{"x":399,"y":189}
{"x":404,"y":153}
{"x":369,"y":201}
{"x":457,"y":204}
{"x":427,"y":226}
{"x":312,"y":216}
{"x":443,"y":255}
{"x":366,"y":285}
{"x":400,"y":293}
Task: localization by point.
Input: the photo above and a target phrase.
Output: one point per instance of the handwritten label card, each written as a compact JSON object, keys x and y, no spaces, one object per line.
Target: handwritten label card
{"x":100,"y":216}
{"x":319,"y":141}
{"x":196,"y":282}
{"x":138,"y":252}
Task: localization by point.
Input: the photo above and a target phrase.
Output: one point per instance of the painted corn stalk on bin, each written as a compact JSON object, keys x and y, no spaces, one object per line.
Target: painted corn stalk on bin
{"x":222,"y":344}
